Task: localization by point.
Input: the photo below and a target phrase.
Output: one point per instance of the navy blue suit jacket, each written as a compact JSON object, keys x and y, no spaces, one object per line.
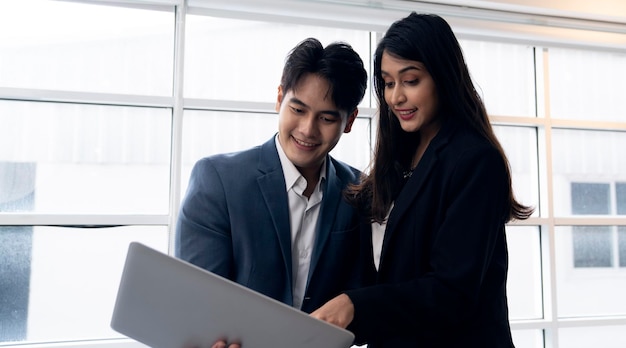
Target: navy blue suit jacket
{"x":443,"y":268}
{"x":234,"y":221}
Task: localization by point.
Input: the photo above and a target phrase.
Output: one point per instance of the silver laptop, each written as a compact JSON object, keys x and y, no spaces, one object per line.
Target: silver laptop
{"x":164,"y":302}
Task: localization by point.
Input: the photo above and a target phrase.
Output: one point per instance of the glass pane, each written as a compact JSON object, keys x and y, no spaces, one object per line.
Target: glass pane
{"x":243,"y":60}
{"x":354,"y":148}
{"x":524,"y":276}
{"x":593,"y":246}
{"x":620,"y":197}
{"x":621,"y":240}
{"x":504,"y":75}
{"x":528,"y":338}
{"x":207,"y":133}
{"x":68,"y":158}
{"x":520,"y":146}
{"x":596,"y":336}
{"x":581,"y":156}
{"x":585,"y":291}
{"x":599,"y":96}
{"x":67,"y":279}
{"x":590,"y":198}
{"x":71,"y":46}
{"x":15,"y":265}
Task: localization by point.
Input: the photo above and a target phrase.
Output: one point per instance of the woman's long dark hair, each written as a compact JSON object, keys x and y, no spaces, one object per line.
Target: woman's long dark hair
{"x":428,"y":39}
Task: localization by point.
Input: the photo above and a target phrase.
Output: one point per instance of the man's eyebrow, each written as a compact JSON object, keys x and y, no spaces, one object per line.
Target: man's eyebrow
{"x":297,"y":101}
{"x":334,"y":113}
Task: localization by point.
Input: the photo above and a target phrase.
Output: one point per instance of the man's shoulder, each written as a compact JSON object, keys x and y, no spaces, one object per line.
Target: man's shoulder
{"x":227,"y":160}
{"x":345,"y":171}
{"x":235,"y":159}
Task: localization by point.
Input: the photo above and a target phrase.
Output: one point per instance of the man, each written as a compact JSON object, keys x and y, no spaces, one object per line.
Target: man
{"x":273,"y":217}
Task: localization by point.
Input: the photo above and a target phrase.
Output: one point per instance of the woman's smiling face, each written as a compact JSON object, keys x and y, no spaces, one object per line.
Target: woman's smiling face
{"x":411,"y":94}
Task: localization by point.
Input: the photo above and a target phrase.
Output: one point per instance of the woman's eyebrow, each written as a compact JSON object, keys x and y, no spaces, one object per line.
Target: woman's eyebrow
{"x":403,"y":70}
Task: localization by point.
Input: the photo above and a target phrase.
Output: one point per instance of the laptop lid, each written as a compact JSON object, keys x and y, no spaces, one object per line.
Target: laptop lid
{"x":165,"y":302}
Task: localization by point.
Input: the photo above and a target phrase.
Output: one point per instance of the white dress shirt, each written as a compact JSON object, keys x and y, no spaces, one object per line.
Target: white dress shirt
{"x":378,"y":234}
{"x":303,"y":217}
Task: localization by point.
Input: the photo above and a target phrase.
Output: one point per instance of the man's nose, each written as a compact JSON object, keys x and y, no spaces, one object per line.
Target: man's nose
{"x":308,"y":125}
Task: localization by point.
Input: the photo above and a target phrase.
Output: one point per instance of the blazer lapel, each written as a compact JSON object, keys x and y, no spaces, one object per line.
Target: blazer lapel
{"x":328,"y":211}
{"x":272,"y":186}
{"x":415,"y":183}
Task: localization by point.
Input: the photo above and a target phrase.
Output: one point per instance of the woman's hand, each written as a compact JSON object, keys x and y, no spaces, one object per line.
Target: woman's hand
{"x":339,"y":311}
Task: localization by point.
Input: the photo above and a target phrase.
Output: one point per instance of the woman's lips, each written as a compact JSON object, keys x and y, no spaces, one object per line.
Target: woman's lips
{"x":406,"y":114}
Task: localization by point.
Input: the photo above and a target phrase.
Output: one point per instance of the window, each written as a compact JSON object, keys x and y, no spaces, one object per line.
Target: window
{"x":592,"y":244}
{"x":87,"y":159}
{"x":242,"y":68}
{"x":591,"y":100}
{"x":596,"y":246}
{"x":620,"y":198}
{"x":15,"y":248}
{"x":85,"y":142}
{"x":72,"y":46}
{"x":96,"y":146}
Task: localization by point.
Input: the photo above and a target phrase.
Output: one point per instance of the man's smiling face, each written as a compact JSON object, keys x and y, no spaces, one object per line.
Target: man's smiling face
{"x":310,"y":125}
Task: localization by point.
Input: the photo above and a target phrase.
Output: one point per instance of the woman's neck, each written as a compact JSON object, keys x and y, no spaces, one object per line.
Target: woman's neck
{"x":426,"y":136}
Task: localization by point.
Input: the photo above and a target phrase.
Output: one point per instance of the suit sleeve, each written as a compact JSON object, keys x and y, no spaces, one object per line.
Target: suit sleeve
{"x":459,"y":257}
{"x":203,"y":233}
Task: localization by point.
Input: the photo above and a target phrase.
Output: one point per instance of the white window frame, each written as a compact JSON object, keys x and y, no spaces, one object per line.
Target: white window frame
{"x":468,"y":19}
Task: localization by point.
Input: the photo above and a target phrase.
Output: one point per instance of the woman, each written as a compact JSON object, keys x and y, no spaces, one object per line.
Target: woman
{"x":438,"y":197}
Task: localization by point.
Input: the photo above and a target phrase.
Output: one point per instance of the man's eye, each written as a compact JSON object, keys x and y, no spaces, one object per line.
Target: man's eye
{"x":328,"y":119}
{"x":296,"y":110}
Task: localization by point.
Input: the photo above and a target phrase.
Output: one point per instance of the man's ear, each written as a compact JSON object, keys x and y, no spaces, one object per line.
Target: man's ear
{"x":351,"y":119}
{"x":279,"y":98}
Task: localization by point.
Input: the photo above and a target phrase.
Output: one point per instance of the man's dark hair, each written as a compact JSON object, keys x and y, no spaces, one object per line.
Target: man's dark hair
{"x":338,"y":63}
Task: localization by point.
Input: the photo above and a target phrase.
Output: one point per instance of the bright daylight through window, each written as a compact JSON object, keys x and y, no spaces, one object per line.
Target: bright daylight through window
{"x":105,"y":107}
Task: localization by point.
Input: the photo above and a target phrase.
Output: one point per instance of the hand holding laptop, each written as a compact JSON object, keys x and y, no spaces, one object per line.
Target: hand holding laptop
{"x":165,"y":302}
{"x":338,"y":311}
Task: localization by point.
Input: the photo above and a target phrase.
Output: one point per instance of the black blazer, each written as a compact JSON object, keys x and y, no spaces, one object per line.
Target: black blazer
{"x":234,"y":221}
{"x":443,"y":268}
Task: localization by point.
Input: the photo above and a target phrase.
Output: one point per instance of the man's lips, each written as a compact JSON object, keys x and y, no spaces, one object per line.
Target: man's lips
{"x":303,"y":144}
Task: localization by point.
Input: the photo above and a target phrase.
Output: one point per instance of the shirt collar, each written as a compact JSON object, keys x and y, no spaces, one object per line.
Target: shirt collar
{"x":291,"y":172}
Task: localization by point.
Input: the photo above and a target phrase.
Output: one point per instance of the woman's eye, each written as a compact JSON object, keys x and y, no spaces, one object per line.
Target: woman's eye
{"x":388,"y":84}
{"x":412,"y":82}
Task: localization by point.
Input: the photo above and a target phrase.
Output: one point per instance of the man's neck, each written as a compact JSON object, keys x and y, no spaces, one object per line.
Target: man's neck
{"x":312,"y":176}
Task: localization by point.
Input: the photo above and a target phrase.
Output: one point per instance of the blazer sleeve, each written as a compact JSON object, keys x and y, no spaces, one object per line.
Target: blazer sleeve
{"x":203,"y":232}
{"x":459,"y":254}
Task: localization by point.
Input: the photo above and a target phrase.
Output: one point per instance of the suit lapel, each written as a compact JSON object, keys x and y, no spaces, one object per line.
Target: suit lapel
{"x":328,"y":211}
{"x":415,"y":183}
{"x":272,"y":186}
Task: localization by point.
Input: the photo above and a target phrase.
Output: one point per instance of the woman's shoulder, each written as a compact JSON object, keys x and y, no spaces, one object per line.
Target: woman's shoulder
{"x":464,"y":140}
